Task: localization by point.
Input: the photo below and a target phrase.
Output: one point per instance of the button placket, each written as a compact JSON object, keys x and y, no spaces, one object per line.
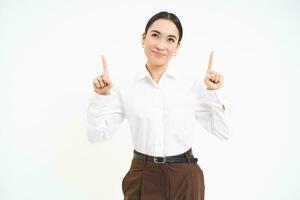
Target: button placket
{"x":159,"y":136}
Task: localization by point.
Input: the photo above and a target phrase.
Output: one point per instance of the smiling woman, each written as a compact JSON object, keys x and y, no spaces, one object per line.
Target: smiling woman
{"x":161,"y":41}
{"x":161,"y":108}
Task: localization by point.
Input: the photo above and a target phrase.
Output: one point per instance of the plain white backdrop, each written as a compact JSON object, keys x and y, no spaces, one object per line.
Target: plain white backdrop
{"x":50,"y":53}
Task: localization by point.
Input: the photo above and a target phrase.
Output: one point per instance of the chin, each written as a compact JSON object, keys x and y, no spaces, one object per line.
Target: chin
{"x":159,"y":63}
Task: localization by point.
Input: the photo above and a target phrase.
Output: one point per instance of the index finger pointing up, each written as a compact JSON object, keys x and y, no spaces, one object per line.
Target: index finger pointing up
{"x":210,"y":62}
{"x":104,"y":64}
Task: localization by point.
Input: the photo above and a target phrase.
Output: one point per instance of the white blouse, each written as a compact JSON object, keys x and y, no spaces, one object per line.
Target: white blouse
{"x":161,"y":115}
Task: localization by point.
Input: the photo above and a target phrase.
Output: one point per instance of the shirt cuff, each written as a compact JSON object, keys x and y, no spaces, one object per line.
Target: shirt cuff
{"x":100,"y":99}
{"x":214,"y":97}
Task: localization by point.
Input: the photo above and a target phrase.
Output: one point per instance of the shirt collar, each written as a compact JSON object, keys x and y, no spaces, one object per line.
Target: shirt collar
{"x":144,"y":73}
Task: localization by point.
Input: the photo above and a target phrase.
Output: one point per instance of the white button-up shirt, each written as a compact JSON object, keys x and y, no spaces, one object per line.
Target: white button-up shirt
{"x":161,"y":115}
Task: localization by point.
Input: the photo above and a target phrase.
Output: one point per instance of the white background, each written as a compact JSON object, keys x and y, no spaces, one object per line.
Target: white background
{"x":50,"y":53}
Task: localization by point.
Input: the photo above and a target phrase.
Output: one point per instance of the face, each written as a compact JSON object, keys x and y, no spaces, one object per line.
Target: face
{"x":161,"y":42}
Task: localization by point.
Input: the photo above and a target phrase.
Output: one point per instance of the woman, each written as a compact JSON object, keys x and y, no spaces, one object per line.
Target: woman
{"x":161,"y":107}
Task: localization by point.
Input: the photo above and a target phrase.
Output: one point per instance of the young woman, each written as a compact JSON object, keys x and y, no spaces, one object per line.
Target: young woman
{"x":161,"y":107}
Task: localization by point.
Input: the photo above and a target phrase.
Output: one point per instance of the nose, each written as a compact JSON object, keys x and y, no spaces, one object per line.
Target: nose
{"x":160,"y":45}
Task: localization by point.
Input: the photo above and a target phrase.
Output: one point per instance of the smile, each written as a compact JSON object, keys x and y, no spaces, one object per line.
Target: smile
{"x":158,"y":53}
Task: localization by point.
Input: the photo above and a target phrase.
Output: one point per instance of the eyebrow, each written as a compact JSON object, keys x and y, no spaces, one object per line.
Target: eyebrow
{"x":173,"y":36}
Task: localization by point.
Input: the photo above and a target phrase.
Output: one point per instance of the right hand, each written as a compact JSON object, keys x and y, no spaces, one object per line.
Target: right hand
{"x":102,"y":84}
{"x":213,"y":80}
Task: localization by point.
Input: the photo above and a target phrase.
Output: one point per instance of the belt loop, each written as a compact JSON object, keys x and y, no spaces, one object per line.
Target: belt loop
{"x":187,"y":157}
{"x":145,"y":160}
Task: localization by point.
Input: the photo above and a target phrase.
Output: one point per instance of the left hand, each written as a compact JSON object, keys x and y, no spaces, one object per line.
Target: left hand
{"x":213,"y":80}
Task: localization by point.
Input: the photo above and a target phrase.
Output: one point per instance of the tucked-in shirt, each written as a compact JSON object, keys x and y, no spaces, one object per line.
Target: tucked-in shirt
{"x":161,"y":115}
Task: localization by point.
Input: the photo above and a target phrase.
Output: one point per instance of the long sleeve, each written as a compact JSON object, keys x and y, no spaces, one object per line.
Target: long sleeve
{"x":104,"y":115}
{"x":210,"y":112}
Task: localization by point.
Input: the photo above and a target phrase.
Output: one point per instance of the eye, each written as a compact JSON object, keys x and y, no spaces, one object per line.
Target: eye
{"x":171,"y":39}
{"x":154,"y":35}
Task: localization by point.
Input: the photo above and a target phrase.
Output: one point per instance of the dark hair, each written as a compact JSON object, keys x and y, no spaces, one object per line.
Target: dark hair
{"x":166,"y":15}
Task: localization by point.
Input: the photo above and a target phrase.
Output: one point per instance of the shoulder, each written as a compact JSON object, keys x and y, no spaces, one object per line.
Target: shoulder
{"x":191,"y":80}
{"x":124,"y":82}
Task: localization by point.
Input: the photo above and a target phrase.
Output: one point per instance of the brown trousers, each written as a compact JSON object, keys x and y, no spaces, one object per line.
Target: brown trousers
{"x":146,"y":180}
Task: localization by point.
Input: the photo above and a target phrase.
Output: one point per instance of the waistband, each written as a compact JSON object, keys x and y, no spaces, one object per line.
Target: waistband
{"x":186,"y":157}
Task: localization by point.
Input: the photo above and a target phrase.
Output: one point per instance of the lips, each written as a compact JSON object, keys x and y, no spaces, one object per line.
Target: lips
{"x":158,"y":53}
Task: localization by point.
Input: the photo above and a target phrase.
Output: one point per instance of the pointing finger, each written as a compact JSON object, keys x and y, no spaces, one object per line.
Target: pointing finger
{"x":104,"y":64}
{"x":210,"y":62}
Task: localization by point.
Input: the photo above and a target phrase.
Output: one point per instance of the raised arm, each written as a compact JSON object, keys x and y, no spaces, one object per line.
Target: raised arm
{"x":210,"y":110}
{"x":105,"y":112}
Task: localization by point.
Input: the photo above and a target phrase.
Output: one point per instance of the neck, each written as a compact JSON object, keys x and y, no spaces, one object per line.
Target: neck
{"x":156,"y":71}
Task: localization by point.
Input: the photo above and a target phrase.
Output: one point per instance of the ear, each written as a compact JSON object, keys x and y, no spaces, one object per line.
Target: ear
{"x":143,"y":39}
{"x":175,"y":52}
